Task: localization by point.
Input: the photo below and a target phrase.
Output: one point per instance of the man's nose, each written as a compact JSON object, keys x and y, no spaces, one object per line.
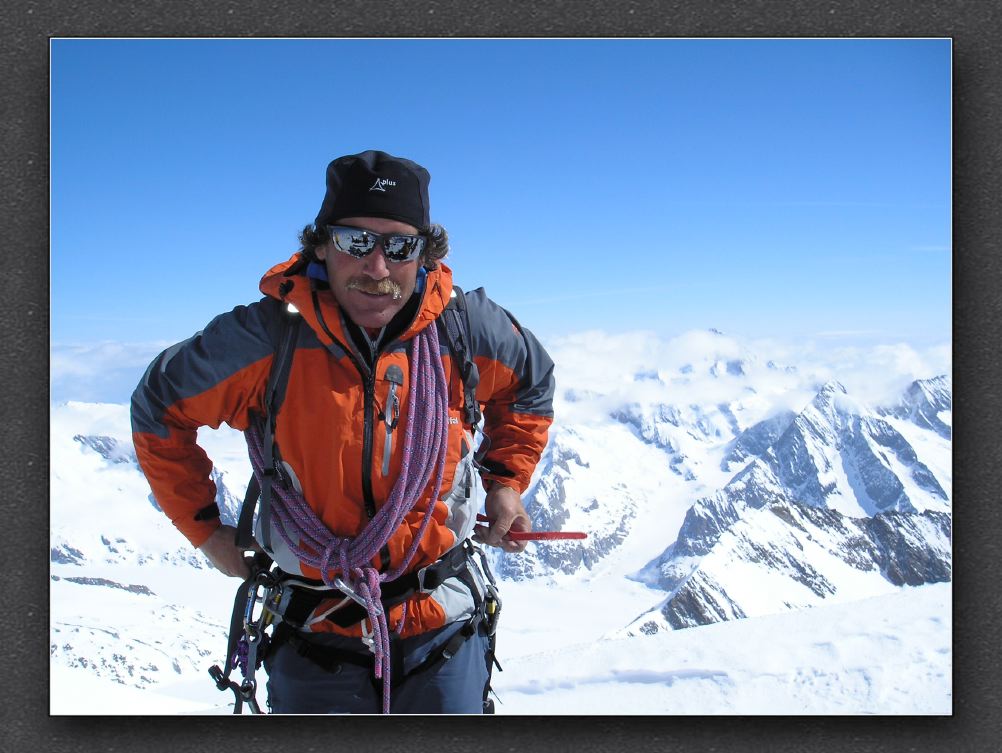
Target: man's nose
{"x":376,"y":265}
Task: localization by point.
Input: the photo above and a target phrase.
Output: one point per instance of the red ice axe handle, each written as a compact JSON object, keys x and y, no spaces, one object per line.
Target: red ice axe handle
{"x":536,"y":535}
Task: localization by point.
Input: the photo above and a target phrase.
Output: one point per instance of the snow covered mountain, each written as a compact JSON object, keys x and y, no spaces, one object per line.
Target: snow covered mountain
{"x":836,"y":453}
{"x":927,"y":403}
{"x":834,"y":502}
{"x":130,"y":600}
{"x":787,"y":556}
{"x":583,"y":483}
{"x":838,"y":488}
{"x":713,"y":483}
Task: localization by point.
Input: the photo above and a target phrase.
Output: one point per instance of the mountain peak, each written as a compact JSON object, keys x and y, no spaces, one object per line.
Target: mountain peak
{"x":927,"y":403}
{"x":832,"y":386}
{"x":831,"y":401}
{"x":936,"y":391}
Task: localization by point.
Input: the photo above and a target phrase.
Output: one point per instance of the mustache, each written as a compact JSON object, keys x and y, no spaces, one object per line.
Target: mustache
{"x":386,"y":286}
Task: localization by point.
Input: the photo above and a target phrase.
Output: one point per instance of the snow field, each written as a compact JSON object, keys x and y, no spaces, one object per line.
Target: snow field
{"x":562,"y":639}
{"x":884,"y":655}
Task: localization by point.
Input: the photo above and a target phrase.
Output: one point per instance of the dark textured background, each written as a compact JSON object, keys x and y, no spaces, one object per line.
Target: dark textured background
{"x":26,"y":28}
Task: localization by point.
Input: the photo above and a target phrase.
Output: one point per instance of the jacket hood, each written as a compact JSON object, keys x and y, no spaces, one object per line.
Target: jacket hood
{"x":288,"y":282}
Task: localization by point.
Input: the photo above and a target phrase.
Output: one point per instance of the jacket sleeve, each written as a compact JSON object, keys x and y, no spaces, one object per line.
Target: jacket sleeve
{"x":516,"y":389}
{"x":217,"y":376}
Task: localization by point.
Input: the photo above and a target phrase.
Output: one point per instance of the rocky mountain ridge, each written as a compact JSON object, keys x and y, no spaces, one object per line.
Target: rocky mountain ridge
{"x":628,"y":480}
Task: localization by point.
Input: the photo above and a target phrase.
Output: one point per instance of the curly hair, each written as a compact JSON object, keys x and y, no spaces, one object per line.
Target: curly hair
{"x":437,"y":247}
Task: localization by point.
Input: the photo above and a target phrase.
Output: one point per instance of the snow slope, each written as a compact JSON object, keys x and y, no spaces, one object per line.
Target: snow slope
{"x":652,"y":427}
{"x":889,"y":654}
{"x":886,"y":655}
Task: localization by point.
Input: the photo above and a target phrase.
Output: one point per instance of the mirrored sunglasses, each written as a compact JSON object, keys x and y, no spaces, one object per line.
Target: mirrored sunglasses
{"x":359,"y":242}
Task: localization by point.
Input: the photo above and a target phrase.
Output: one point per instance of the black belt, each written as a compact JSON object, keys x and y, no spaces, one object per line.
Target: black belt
{"x":328,"y":657}
{"x":305,"y":600}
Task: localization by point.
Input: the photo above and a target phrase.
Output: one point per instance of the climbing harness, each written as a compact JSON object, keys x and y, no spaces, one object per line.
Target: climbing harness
{"x":458,"y":563}
{"x":272,"y":599}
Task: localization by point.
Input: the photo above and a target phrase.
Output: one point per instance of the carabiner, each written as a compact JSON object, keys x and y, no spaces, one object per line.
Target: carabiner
{"x":350,"y":593}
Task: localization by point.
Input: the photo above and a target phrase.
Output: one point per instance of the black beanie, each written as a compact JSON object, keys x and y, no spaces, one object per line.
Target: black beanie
{"x":376,"y":184}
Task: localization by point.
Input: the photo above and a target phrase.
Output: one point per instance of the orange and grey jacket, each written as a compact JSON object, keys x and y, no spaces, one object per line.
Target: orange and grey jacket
{"x":328,"y":429}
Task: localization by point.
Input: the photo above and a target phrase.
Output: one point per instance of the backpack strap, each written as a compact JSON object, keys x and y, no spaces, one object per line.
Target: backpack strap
{"x":456,"y":322}
{"x":278,"y":379}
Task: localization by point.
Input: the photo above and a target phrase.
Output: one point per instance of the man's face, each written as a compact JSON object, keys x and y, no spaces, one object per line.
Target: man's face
{"x":370,"y":290}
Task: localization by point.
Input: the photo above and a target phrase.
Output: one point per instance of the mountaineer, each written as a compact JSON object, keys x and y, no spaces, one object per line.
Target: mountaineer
{"x":358,"y":380}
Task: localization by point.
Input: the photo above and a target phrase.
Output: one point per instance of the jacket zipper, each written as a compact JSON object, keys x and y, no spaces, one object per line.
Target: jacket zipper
{"x":369,"y":404}
{"x":369,"y":399}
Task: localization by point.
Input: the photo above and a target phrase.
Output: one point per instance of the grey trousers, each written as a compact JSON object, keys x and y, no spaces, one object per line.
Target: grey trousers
{"x":297,"y":685}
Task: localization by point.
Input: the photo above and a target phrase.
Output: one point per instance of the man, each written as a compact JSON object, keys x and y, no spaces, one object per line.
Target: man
{"x":369,"y":427}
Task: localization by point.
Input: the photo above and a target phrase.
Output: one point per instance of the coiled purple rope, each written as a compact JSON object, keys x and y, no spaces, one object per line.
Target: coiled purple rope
{"x":424,"y":450}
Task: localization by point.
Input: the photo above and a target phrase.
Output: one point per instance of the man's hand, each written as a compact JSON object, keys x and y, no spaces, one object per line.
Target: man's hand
{"x":505,"y":511}
{"x":222,"y":551}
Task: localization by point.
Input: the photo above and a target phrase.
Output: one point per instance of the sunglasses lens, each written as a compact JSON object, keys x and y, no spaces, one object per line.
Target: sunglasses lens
{"x":403,"y":247}
{"x":358,"y":243}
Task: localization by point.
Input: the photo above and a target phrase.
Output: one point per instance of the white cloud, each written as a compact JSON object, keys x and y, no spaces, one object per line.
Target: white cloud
{"x":692,"y":368}
{"x":99,"y":372}
{"x":635,"y":367}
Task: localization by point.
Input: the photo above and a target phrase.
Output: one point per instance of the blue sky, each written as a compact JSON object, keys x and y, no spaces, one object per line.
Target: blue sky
{"x":767,"y":188}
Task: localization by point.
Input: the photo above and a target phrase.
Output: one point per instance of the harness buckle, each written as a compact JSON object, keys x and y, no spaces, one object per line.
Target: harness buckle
{"x":492,"y":608}
{"x":492,"y":597}
{"x":217,"y":675}
{"x":248,"y":693}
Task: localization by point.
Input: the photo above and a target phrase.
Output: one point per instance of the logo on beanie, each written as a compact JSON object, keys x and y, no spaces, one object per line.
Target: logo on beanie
{"x":381,"y":184}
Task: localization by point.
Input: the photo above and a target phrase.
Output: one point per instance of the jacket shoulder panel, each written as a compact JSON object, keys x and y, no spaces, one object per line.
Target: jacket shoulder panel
{"x":494,"y":332}
{"x":229,"y":343}
{"x":496,"y":335}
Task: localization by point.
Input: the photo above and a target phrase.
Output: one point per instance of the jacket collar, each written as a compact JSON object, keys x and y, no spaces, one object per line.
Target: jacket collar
{"x":287,"y":281}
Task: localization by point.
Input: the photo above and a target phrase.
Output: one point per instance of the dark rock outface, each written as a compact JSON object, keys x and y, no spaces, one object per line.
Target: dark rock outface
{"x":109,"y":448}
{"x":229,"y":505}
{"x":905,"y":548}
{"x":701,"y":602}
{"x":755,"y":440}
{"x":880,"y":484}
{"x":829,"y":438}
{"x":549,"y":511}
{"x":131,"y":588}
{"x":922,"y":403}
{"x":794,"y":481}
{"x":66,"y":555}
{"x":703,"y":524}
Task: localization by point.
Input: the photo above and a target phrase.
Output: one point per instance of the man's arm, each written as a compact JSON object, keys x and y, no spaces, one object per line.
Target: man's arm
{"x":516,"y":388}
{"x":214,"y":377}
{"x":222,"y":551}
